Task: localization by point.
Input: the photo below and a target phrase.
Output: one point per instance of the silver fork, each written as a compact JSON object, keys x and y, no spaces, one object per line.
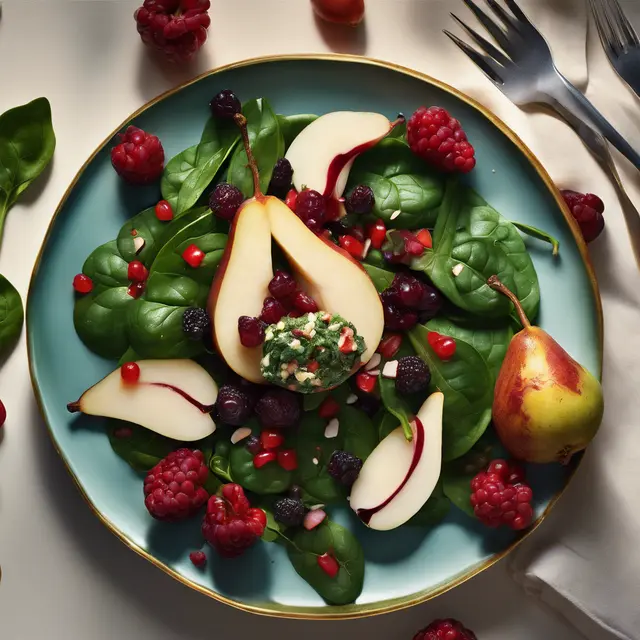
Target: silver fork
{"x":527,"y":73}
{"x":619,"y":39}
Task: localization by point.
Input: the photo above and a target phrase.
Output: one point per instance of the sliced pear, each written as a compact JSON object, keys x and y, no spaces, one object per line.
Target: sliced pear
{"x":172,"y":397}
{"x":399,"y":476}
{"x":241,"y":285}
{"x":337,"y":282}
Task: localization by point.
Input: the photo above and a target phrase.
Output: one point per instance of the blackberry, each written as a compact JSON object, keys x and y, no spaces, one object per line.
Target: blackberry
{"x":234,"y":405}
{"x":360,"y":200}
{"x":311,"y":208}
{"x":253,"y":445}
{"x":413,"y":375}
{"x":225,"y":200}
{"x":225,"y":104}
{"x":344,"y":467}
{"x":281,"y":178}
{"x":196,"y":323}
{"x":278,"y":409}
{"x":289,"y":512}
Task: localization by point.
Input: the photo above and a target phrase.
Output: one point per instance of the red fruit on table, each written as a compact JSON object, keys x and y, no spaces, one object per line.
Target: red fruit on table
{"x":587,"y":209}
{"x":139,"y":158}
{"x":449,"y":629}
{"x":3,"y":413}
{"x":349,"y":12}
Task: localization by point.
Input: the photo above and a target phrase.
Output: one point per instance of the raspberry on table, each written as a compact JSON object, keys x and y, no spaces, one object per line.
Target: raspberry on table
{"x":448,"y":629}
{"x":413,"y":375}
{"x":439,"y":139}
{"x":195,"y":323}
{"x":225,"y":104}
{"x":139,"y":158}
{"x":289,"y":511}
{"x":225,"y":200}
{"x":231,"y":525}
{"x":174,"y":488}
{"x":587,"y":209}
{"x":344,"y":467}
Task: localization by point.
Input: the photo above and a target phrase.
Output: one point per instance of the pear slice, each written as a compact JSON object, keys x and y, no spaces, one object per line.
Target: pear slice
{"x":172,"y":397}
{"x":338,"y":283}
{"x":241,"y":285}
{"x":399,"y":476}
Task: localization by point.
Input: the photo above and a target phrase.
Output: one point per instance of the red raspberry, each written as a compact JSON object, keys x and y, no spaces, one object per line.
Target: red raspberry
{"x":139,"y":158}
{"x":231,"y":526}
{"x":439,"y":139}
{"x":176,"y":27}
{"x":587,"y":209}
{"x":449,"y":629}
{"x":501,"y":497}
{"x":198,"y":558}
{"x":174,"y":489}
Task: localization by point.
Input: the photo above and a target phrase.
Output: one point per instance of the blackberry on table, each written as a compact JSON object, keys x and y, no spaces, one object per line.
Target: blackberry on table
{"x":196,"y":323}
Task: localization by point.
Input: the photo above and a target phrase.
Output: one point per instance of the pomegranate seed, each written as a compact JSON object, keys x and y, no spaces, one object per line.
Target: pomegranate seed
{"x":130,"y":372}
{"x":329,"y":565}
{"x":137,"y":272}
{"x":365,"y":382}
{"x":3,"y":413}
{"x":389,"y":345}
{"x":288,"y":459}
{"x":329,"y":408}
{"x":313,"y":366}
{"x":413,"y":247}
{"x":303,"y":302}
{"x":136,"y":289}
{"x":291,"y":199}
{"x":251,"y":331}
{"x":198,"y":558}
{"x":82,"y":284}
{"x":164,"y":211}
{"x":193,"y":256}
{"x":262,"y":458}
{"x":271,"y":439}
{"x":377,"y":234}
{"x":443,"y":346}
{"x":352,"y":246}
{"x":424,"y":238}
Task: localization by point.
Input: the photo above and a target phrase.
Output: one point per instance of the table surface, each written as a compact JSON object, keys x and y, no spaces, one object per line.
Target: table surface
{"x":63,"y":574}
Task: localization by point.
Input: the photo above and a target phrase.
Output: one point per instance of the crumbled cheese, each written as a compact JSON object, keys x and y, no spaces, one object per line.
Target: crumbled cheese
{"x":395,"y":214}
{"x":284,"y":374}
{"x":334,"y":327}
{"x":374,"y":362}
{"x":309,"y":327}
{"x":326,"y":317}
{"x":311,"y":317}
{"x":268,"y":336}
{"x":266,"y":360}
{"x":302,"y":376}
{"x":332,"y":428}
{"x":390,"y":369}
{"x":316,"y":382}
{"x":295,"y":343}
{"x":240,"y":434}
{"x":312,"y":333}
{"x":280,"y":326}
{"x":352,"y":399}
{"x":457,"y":270}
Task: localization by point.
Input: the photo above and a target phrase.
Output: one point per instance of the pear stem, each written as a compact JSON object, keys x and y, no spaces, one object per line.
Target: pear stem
{"x":73,"y":407}
{"x":495,"y":283}
{"x":241,"y":121}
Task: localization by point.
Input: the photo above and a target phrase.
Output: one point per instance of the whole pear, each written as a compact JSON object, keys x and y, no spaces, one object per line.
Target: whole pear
{"x":546,"y":406}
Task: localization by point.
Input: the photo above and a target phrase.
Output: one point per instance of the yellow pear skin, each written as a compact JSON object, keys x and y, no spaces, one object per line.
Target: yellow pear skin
{"x":546,"y":406}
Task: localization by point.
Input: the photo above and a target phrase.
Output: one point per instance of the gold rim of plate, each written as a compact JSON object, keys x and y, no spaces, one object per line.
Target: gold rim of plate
{"x":353,"y":611}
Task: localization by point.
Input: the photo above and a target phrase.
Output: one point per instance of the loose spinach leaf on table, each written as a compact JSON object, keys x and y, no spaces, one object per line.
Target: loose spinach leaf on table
{"x":467,"y":385}
{"x":27,"y":143}
{"x":400,"y":182}
{"x":478,"y":242}
{"x":11,"y":316}
{"x":291,"y":126}
{"x":307,"y":546}
{"x":267,"y":144}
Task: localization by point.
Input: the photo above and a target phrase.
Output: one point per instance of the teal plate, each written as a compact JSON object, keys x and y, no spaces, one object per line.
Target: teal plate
{"x":403,"y":567}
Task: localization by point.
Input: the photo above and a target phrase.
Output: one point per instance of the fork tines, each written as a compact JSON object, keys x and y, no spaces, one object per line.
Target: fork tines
{"x":616,"y":32}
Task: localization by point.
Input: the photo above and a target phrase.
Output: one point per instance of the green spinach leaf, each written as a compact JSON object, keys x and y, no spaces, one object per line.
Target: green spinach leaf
{"x":146,"y":228}
{"x":307,"y":546}
{"x":457,"y":487}
{"x":434,"y":510}
{"x":396,"y":405}
{"x":387,"y":423}
{"x":267,"y":144}
{"x":11,"y":316}
{"x":467,"y":385}
{"x":292,"y":126}
{"x":534,"y":232}
{"x":140,"y":448}
{"x":381,"y":278}
{"x":400,"y":182}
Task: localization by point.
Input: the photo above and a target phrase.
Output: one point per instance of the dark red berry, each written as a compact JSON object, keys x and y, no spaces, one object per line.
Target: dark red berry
{"x":282,"y":285}
{"x":3,"y":414}
{"x":360,"y":200}
{"x":136,"y":289}
{"x":272,"y":311}
{"x":82,"y":284}
{"x":251,"y":331}
{"x":225,"y":200}
{"x":137,"y":272}
{"x":231,"y":525}
{"x":270,"y":439}
{"x":329,"y":408}
{"x":289,"y":511}
{"x":196,"y":323}
{"x":278,"y":409}
{"x":264,"y":457}
{"x":344,"y":467}
{"x":235,"y":405}
{"x":304,"y":302}
{"x":445,"y":630}
{"x":174,"y":488}
{"x":164,"y":211}
{"x":252,"y":445}
{"x":198,"y":558}
{"x":130,"y":372}
{"x":396,"y":319}
{"x":352,"y":246}
{"x":413,"y":375}
{"x":291,"y":199}
{"x":357,"y":231}
{"x":139,"y":158}
{"x":389,"y":345}
{"x":430,"y":303}
{"x":443,"y":346}
{"x":193,"y":256}
{"x":225,"y":104}
{"x":377,"y":233}
{"x":408,"y":290}
{"x":366,"y":382}
{"x":311,"y":208}
{"x":439,"y":139}
{"x":281,"y":177}
{"x":587,"y":209}
{"x":288,"y":459}
{"x":329,"y":565}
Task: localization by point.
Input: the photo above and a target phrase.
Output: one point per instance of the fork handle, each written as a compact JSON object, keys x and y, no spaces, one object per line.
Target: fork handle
{"x":574,"y":101}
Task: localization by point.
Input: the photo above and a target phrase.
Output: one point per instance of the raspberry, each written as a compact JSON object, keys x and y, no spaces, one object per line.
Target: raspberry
{"x":360,"y":200}
{"x":439,"y":140}
{"x":139,"y":158}
{"x":195,"y":323}
{"x":234,"y":405}
{"x":311,"y":208}
{"x":413,"y":375}
{"x":176,"y":27}
{"x":174,"y":489}
{"x":344,"y":467}
{"x":225,"y":104}
{"x":278,"y":409}
{"x":231,"y":526}
{"x":501,"y":497}
{"x":445,"y":630}
{"x":225,"y":200}
{"x":289,"y":511}
{"x":3,"y":413}
{"x":281,"y":178}
{"x":198,"y":558}
{"x":587,"y":209}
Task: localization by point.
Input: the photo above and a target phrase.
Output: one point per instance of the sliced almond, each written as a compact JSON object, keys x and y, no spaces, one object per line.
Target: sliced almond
{"x":395,"y":214}
{"x":315,"y":461}
{"x":332,"y":428}
{"x":374,"y":363}
{"x":266,"y":360}
{"x":240,"y":434}
{"x":138,"y":244}
{"x":374,"y":372}
{"x":367,"y":246}
{"x":352,"y":399}
{"x":390,"y":369}
{"x":303,"y":376}
{"x":334,"y":327}
{"x":457,"y":270}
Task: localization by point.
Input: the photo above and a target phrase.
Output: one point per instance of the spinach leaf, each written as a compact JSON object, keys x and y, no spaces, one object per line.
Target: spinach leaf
{"x":467,"y":385}
{"x":381,"y":278}
{"x":396,"y":405}
{"x":142,"y":449}
{"x":145,"y":226}
{"x":434,"y":510}
{"x":312,"y":401}
{"x":399,"y":132}
{"x":11,"y":316}
{"x":219,"y":463}
{"x":307,"y":546}
{"x":472,"y":241}
{"x":490,"y":342}
{"x":375,"y":258}
{"x":27,"y":143}
{"x":267,"y":144}
{"x":176,"y":172}
{"x":387,"y":423}
{"x":457,"y":487}
{"x":291,"y":126}
{"x":400,"y":182}
{"x":534,"y":232}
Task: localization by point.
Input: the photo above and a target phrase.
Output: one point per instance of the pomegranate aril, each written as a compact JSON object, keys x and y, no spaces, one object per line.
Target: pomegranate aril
{"x":366,"y":382}
{"x":193,"y":256}
{"x":282,"y":285}
{"x":329,"y":408}
{"x":313,"y":366}
{"x":82,"y":284}
{"x":304,"y":302}
{"x":260,"y":459}
{"x":389,"y":345}
{"x":136,"y":289}
{"x":272,"y":311}
{"x":424,"y":238}
{"x":130,"y":372}
{"x":164,"y":211}
{"x":446,"y":349}
{"x":329,"y":565}
{"x":137,"y":272}
{"x":288,"y":459}
{"x":271,"y":439}
{"x":352,"y":246}
{"x":291,"y":199}
{"x":413,"y":247}
{"x":377,"y":233}
{"x":198,"y":558}
{"x":251,"y":331}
